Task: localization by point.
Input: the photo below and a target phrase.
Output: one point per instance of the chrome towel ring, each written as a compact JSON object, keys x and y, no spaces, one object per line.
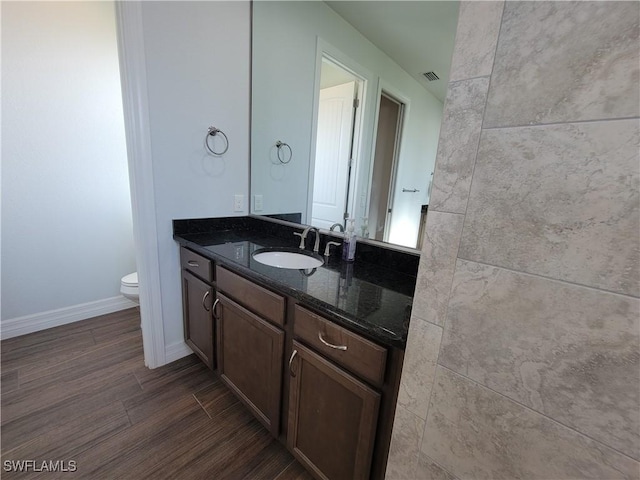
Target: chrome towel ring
{"x":212,"y":132}
{"x":280,"y":145}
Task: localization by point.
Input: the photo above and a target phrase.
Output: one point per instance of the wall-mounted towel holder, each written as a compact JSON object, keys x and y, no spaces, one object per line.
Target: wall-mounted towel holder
{"x":280,"y":145}
{"x":212,"y":132}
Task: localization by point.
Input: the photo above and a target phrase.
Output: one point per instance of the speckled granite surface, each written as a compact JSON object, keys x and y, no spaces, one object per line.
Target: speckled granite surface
{"x":371,"y":296}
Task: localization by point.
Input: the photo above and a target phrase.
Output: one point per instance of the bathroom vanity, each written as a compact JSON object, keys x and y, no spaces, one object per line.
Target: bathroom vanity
{"x":315,"y":354}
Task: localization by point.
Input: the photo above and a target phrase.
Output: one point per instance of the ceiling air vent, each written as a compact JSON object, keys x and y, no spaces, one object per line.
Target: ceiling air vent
{"x":431,"y":76}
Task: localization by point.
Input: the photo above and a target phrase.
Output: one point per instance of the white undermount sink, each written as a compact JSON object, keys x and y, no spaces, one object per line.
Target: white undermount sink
{"x":287,"y":258}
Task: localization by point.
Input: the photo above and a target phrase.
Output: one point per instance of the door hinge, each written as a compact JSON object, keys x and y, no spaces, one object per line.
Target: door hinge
{"x":356,"y":102}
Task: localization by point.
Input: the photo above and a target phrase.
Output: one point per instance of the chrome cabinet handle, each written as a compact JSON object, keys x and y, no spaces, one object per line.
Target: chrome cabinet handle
{"x":337,"y":347}
{"x":193,"y":263}
{"x":295,"y":352}
{"x":204,"y":298}
{"x":215,"y":304}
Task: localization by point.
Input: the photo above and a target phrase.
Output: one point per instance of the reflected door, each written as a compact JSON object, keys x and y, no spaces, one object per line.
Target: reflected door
{"x":333,"y":150}
{"x":384,"y":165}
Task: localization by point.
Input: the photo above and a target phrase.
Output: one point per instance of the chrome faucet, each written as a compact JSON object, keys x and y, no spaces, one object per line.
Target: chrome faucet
{"x":339,"y":225}
{"x":329,"y":245}
{"x":303,"y":237}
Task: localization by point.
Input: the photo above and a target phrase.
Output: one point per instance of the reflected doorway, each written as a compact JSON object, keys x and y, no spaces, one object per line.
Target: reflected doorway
{"x":338,"y":117}
{"x":385,"y":165}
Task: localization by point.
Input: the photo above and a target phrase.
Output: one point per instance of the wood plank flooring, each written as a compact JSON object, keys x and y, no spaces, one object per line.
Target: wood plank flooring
{"x":81,"y":392}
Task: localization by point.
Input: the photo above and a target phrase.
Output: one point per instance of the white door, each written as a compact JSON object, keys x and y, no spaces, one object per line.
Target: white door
{"x":333,"y":148}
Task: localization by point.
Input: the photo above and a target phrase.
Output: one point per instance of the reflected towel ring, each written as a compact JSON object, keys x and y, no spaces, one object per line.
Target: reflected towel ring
{"x":212,"y":132}
{"x":279,"y":145}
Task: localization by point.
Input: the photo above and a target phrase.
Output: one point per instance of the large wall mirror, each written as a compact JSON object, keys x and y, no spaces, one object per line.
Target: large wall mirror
{"x":347,"y":100}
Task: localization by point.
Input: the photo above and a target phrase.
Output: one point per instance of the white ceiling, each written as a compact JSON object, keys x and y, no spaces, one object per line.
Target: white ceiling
{"x":418,"y":35}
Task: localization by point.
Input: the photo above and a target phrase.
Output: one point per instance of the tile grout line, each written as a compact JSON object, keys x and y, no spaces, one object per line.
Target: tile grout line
{"x":441,"y":466}
{"x":464,"y":216}
{"x":201,"y":406}
{"x":285,"y":469}
{"x":484,"y":114}
{"x":573,"y":429}
{"x":137,"y":380}
{"x":537,"y":275}
{"x":567,"y":122}
{"x":460,"y":80}
{"x":126,"y":413}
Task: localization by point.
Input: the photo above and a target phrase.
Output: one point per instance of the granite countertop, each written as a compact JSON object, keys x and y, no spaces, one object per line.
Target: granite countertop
{"x":363,"y":296}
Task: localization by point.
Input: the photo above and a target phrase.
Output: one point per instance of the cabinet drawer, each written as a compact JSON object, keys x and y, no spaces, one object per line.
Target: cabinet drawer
{"x":346,"y":348}
{"x":257,"y":299}
{"x":196,"y":264}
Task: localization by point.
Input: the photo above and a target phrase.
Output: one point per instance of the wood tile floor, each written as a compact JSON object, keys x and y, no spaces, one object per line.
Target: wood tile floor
{"x":81,"y":392}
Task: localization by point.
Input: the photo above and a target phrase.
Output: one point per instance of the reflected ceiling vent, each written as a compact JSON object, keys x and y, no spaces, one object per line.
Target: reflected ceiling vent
{"x":431,"y":76}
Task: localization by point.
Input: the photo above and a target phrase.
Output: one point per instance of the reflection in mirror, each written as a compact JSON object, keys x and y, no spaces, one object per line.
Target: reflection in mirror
{"x":343,"y":84}
{"x":337,"y":131}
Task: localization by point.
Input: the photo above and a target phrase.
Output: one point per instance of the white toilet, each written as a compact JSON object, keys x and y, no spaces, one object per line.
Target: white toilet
{"x":129,"y":287}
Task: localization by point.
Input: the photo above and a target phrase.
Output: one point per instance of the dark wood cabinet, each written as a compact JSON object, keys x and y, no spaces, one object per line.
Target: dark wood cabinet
{"x":332,"y":417}
{"x":331,"y":399}
{"x":250,"y":353}
{"x":349,"y":350}
{"x":197,"y":301}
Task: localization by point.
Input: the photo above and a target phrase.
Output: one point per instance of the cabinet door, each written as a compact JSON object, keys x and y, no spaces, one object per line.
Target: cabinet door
{"x":197,"y":300}
{"x":250,"y":360}
{"x":332,"y":418}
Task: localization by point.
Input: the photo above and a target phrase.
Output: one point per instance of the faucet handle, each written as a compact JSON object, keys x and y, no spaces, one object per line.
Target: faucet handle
{"x":302,"y":237}
{"x":329,"y":244}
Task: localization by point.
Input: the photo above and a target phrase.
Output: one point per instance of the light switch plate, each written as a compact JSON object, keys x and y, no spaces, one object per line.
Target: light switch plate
{"x":238,"y":203}
{"x":257,"y":203}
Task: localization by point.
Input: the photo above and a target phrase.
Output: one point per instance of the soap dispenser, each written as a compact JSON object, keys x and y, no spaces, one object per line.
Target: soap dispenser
{"x":349,"y":243}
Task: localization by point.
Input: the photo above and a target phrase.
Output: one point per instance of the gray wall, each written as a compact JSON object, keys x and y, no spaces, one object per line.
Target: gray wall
{"x":67,"y":235}
{"x":282,"y":107}
{"x":197,"y":68}
{"x":523,"y":352}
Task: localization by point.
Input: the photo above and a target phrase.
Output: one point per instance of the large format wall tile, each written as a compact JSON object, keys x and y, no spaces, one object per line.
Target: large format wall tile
{"x":564,"y":62}
{"x":476,"y":433}
{"x":458,"y":145}
{"x":476,"y":38}
{"x":561,"y":201}
{"x":405,"y":445}
{"x":419,"y":368}
{"x":430,"y":470}
{"x":569,"y":352}
{"x":437,"y":264}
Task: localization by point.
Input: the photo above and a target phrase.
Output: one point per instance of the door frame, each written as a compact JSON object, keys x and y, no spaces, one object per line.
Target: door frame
{"x":389,"y":91}
{"x":133,"y":78}
{"x":364,"y":79}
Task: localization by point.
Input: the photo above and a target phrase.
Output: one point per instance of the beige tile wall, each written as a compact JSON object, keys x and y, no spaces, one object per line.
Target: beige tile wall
{"x":523,"y":357}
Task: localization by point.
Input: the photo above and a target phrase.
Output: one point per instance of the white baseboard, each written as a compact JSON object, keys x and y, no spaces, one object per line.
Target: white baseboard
{"x":176,"y":351}
{"x":14,"y":327}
